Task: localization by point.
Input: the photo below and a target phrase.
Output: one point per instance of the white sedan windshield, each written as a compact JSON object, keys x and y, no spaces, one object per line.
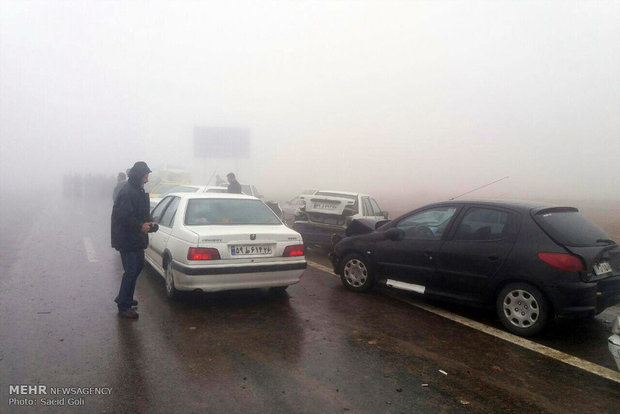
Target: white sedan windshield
{"x":201,"y":212}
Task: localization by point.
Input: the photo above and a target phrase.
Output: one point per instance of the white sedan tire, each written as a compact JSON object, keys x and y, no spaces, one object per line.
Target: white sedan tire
{"x":171,"y":291}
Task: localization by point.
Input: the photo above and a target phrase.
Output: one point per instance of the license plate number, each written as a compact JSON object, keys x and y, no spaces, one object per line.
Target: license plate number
{"x":602,"y":268}
{"x":326,"y":206}
{"x":250,"y":250}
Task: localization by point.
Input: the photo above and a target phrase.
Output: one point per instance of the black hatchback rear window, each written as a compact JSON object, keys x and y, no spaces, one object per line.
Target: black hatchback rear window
{"x":570,"y":228}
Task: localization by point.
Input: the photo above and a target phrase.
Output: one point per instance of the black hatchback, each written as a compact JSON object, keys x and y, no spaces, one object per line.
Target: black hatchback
{"x":530,"y":261}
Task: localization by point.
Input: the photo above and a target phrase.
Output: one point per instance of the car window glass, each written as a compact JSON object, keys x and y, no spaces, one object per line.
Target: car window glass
{"x":428,"y":224}
{"x":352,"y":210}
{"x":375,"y":207}
{"x":569,"y":227}
{"x":202,"y":212}
{"x":484,"y":224}
{"x":168,"y":216}
{"x":159,"y":209}
{"x":367,"y":207}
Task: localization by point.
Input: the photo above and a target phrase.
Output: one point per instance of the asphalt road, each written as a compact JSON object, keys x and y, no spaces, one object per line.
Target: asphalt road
{"x":583,"y":338}
{"x":317,"y":348}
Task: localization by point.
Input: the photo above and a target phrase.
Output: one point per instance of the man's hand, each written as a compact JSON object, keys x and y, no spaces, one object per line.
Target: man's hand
{"x":146,"y":227}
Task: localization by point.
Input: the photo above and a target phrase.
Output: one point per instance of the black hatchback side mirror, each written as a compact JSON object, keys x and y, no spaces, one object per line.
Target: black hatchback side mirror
{"x":395,"y":234}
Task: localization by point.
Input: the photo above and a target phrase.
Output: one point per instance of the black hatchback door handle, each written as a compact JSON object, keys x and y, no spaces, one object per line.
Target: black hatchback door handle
{"x":493,"y":257}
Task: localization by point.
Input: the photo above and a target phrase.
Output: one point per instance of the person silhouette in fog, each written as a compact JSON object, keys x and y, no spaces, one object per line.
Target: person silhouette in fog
{"x":131,"y":223}
{"x":121,"y":180}
{"x":233,"y":184}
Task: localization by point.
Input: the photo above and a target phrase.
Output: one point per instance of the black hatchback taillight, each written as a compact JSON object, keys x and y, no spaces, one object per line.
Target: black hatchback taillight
{"x":563,"y":261}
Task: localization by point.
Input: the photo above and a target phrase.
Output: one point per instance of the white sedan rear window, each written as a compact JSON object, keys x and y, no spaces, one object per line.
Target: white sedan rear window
{"x":204,"y":212}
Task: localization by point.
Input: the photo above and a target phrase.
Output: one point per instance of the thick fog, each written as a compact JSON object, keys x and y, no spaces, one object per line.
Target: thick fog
{"x":418,"y":100}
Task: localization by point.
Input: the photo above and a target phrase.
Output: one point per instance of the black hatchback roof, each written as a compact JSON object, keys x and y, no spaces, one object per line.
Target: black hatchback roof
{"x":519,"y":205}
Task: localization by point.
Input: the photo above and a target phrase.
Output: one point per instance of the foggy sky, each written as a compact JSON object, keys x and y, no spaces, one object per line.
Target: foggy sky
{"x":424,"y":97}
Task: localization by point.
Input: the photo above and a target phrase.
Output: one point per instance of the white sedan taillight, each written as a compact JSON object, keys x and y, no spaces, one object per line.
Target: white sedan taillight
{"x":294,"y":250}
{"x":202,"y":253}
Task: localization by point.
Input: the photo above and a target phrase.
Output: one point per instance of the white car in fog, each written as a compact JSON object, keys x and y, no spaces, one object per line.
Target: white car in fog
{"x":292,"y":206}
{"x":222,"y":241}
{"x":250,"y":190}
{"x":189,"y":188}
{"x":326,"y":213}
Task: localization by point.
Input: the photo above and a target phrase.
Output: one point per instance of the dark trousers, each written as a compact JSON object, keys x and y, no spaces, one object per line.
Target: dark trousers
{"x":133,"y":262}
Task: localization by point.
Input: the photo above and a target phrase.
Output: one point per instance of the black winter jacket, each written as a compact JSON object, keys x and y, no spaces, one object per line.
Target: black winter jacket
{"x":234,"y":187}
{"x":131,"y":210}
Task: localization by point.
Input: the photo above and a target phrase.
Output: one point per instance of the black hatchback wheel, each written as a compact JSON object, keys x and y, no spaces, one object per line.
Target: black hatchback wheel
{"x":356,"y":274}
{"x":523,"y":309}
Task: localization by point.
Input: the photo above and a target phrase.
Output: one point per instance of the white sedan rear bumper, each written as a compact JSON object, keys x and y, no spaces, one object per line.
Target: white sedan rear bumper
{"x":213,"y":279}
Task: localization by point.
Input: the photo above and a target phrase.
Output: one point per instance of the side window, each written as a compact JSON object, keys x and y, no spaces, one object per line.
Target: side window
{"x":168,"y":216}
{"x":353,"y":209}
{"x":485,"y":224}
{"x":159,"y":209}
{"x":428,"y":224}
{"x":375,"y":207}
{"x":367,"y":207}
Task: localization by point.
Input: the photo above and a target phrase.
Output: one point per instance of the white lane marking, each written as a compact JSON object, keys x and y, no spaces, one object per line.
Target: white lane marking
{"x":90,"y":250}
{"x":321,"y":267}
{"x":517,"y":340}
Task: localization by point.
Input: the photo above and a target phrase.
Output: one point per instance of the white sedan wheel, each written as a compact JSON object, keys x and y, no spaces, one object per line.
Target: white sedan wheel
{"x":171,"y":291}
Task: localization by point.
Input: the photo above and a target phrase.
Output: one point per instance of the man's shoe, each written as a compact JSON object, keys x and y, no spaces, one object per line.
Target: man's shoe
{"x":133,"y":302}
{"x":128,"y":314}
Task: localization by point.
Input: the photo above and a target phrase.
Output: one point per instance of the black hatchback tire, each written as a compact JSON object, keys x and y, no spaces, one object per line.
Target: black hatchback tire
{"x":522,"y":309}
{"x":356,"y":273}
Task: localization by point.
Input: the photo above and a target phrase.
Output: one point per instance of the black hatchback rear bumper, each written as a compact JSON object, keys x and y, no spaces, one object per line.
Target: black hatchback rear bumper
{"x":585,"y":299}
{"x":608,"y":293}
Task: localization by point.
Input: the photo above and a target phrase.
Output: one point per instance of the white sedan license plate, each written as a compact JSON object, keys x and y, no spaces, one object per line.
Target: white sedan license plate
{"x":602,"y":268}
{"x":326,"y":206}
{"x":251,"y":250}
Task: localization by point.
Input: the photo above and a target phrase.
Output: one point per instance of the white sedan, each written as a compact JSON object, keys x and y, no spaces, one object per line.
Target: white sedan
{"x":326,"y":213}
{"x":220,"y":241}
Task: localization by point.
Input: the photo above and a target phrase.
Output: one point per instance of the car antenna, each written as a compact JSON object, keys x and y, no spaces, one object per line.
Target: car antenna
{"x":478,"y":188}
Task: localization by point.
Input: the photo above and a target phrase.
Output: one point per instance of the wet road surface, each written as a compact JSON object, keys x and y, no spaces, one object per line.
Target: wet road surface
{"x":583,"y":338}
{"x":316,"y":348}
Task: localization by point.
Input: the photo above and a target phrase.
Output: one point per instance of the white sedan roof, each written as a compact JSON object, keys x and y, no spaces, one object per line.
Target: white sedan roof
{"x":212,"y":195}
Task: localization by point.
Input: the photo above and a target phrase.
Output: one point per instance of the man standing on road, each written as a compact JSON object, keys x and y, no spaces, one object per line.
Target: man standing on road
{"x":121,"y":180}
{"x":233,"y":184}
{"x":131,"y":223}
